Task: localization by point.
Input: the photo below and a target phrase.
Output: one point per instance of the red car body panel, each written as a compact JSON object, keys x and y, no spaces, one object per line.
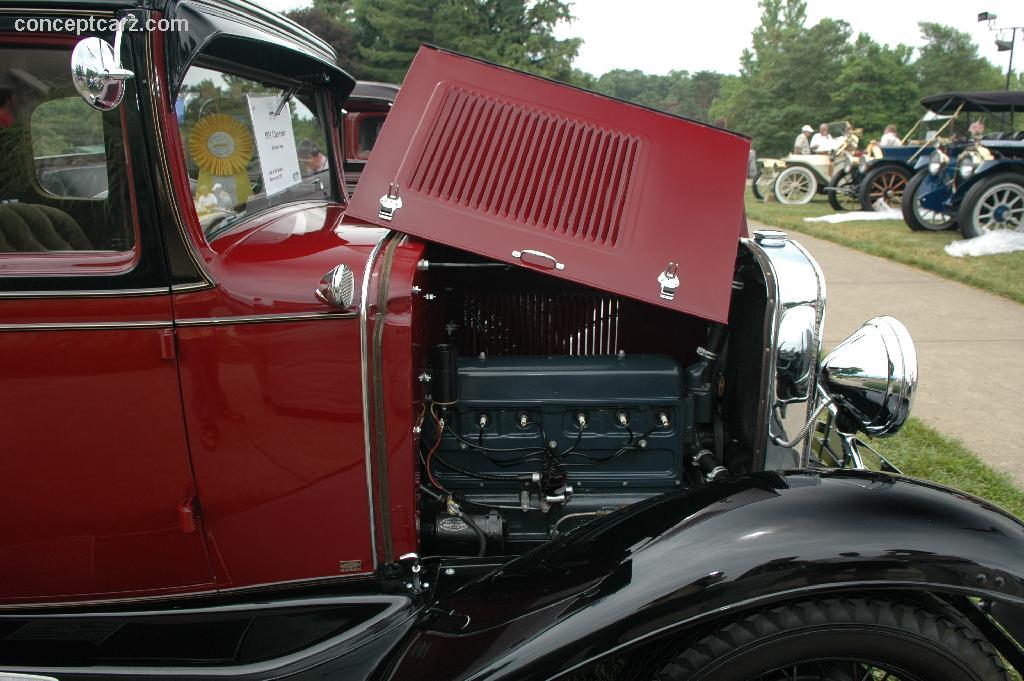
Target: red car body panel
{"x":89,"y":515}
{"x":614,"y":193}
{"x":274,"y":411}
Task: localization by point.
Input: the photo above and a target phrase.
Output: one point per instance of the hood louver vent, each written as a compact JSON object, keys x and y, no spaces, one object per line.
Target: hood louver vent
{"x":537,"y":168}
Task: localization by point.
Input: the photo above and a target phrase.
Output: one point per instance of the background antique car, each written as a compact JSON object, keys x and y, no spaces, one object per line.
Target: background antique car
{"x":795,"y":179}
{"x":538,"y":348}
{"x":882,"y":173}
{"x":365,"y":111}
{"x":942,"y":190}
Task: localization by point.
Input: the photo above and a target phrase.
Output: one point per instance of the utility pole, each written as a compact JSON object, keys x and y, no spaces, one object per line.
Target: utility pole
{"x":1003,"y":45}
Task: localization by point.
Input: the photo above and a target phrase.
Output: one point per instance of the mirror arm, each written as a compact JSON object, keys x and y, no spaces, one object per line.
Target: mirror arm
{"x":117,"y":71}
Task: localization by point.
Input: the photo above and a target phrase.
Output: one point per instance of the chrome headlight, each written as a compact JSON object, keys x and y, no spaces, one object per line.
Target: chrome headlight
{"x":968,"y":163}
{"x":936,"y":162}
{"x":872,"y":376}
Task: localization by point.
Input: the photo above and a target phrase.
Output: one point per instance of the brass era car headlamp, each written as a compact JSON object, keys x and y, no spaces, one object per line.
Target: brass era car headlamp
{"x":937,"y":161}
{"x":968,"y":163}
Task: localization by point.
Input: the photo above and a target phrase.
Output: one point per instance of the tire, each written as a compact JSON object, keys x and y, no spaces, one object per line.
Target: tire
{"x":919,"y":218}
{"x":886,"y":183}
{"x":848,"y":198}
{"x":840,"y":639}
{"x":795,"y":186}
{"x":995,"y":202}
{"x":761,"y":185}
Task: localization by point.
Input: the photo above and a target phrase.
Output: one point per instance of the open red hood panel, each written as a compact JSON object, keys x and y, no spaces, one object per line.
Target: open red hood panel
{"x":531,"y":172}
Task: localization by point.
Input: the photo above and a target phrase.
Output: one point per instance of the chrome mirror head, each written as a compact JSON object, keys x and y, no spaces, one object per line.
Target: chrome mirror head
{"x":97,"y":73}
{"x":338,"y":288}
{"x":871,"y":376}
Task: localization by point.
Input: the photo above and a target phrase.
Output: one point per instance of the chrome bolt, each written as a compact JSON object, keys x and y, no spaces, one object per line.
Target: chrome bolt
{"x":625,"y":483}
{"x":552,"y":444}
{"x":450,"y":572}
{"x":642,"y":444}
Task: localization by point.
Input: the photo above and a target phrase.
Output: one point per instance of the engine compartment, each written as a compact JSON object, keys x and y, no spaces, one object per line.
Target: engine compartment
{"x":544,"y":404}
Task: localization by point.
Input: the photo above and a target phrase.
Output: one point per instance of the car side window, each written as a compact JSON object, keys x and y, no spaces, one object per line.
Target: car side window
{"x":64,"y":181}
{"x":369,"y":131}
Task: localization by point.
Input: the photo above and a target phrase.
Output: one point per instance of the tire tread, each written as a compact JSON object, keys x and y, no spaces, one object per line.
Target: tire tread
{"x":940,"y":628}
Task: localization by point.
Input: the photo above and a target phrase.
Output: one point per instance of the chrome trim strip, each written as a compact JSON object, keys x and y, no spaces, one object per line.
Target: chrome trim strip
{"x":89,"y":293}
{"x":20,"y":608}
{"x":206,"y":593}
{"x":195,"y":286}
{"x":364,"y":343}
{"x":264,"y":318}
{"x":85,"y":326}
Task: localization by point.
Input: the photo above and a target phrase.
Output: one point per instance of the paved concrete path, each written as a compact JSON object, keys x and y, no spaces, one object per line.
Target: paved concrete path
{"x":970,"y":345}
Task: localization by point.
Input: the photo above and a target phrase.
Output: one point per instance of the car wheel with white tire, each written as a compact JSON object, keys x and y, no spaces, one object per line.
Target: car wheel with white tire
{"x":993,"y":203}
{"x":795,"y":186}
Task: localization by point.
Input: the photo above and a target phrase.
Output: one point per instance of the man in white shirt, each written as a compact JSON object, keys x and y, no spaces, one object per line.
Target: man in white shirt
{"x":821,"y":143}
{"x":800,"y":145}
{"x":890,"y":138}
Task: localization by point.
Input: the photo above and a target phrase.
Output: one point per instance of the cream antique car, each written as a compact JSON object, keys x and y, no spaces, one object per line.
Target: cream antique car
{"x":795,"y":179}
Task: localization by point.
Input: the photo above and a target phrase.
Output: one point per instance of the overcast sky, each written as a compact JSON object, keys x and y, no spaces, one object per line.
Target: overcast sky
{"x":658,"y":36}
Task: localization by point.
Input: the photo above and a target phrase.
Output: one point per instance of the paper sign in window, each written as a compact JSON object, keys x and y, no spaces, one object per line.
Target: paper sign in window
{"x":275,"y":142}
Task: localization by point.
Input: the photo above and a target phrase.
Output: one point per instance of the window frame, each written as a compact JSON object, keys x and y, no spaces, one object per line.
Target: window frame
{"x":91,"y":263}
{"x":321,"y":99}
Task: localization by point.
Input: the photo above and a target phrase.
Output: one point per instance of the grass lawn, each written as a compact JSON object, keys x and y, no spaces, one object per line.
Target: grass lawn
{"x":892,"y":239}
{"x":921,"y":452}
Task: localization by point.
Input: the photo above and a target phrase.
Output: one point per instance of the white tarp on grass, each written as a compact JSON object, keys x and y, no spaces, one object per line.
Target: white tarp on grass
{"x":858,"y":216}
{"x":990,"y":243}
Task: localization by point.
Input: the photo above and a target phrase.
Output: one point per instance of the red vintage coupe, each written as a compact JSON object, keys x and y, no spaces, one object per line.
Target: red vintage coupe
{"x":531,"y":404}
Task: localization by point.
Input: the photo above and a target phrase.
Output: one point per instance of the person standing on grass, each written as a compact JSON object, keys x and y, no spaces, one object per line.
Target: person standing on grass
{"x":800,"y":144}
{"x":891,"y":138}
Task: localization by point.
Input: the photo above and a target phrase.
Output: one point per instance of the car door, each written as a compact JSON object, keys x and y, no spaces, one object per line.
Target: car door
{"x":536,"y":173}
{"x":93,"y":457}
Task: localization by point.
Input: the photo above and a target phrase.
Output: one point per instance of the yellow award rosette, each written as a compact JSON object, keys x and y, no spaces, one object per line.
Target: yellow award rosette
{"x":221,"y":147}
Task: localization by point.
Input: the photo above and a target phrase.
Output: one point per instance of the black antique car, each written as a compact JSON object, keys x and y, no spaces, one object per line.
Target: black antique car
{"x":533,"y":403}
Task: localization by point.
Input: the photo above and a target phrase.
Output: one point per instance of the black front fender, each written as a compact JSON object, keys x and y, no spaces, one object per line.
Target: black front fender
{"x":672,"y":563}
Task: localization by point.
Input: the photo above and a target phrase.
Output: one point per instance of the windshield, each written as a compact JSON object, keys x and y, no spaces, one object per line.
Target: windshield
{"x":249,"y":146}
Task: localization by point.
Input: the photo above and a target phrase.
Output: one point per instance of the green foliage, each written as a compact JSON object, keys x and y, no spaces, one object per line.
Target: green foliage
{"x":795,"y":75}
{"x":679,"y":92}
{"x":950,"y":61}
{"x":877,"y":86}
{"x":389,"y":33}
{"x":65,"y":126}
{"x":515,"y":33}
{"x":332,"y":22}
{"x":786,"y":77}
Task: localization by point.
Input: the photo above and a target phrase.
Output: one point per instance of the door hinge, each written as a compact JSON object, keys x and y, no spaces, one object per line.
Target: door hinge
{"x":167,"y":350}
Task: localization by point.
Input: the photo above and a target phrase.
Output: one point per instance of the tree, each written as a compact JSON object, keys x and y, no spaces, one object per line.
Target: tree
{"x":330,"y":21}
{"x":877,"y":86}
{"x":514,"y":33}
{"x":950,"y":61}
{"x":389,"y":33}
{"x":786,"y":77}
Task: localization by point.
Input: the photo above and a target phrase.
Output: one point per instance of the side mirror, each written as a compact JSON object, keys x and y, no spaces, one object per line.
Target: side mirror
{"x":97,"y":72}
{"x":871,"y":376}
